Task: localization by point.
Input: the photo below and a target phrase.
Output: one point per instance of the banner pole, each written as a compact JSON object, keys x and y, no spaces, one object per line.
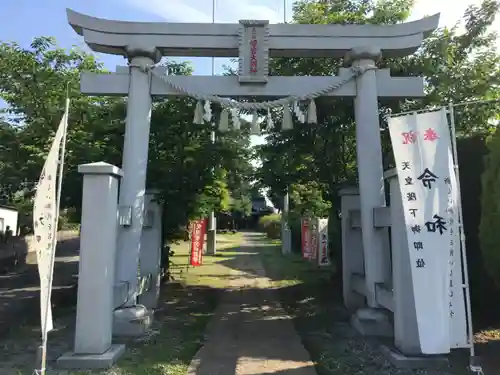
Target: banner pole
{"x":472,"y":365}
{"x":43,"y":349}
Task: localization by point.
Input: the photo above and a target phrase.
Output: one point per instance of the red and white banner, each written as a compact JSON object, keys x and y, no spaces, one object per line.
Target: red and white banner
{"x":306,"y":238}
{"x":314,"y":238}
{"x":199,"y":228}
{"x":423,"y":154}
{"x":323,"y":251}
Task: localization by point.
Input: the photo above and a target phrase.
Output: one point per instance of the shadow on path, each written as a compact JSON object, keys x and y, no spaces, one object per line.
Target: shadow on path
{"x":250,"y":332}
{"x":20,"y":288}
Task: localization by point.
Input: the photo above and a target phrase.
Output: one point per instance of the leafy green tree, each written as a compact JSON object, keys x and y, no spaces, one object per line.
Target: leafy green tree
{"x":490,"y":210}
{"x":457,"y":66}
{"x":34,"y":82}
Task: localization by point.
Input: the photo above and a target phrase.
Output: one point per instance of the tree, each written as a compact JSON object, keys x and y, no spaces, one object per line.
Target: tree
{"x":490,"y":210}
{"x":458,"y":67}
{"x":34,"y":82}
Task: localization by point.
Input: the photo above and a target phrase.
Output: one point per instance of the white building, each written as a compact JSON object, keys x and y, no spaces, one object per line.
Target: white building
{"x":8,"y":218}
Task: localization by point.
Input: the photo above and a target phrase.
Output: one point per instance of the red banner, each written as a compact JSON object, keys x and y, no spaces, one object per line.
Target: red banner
{"x":199,"y":228}
{"x":306,"y":239}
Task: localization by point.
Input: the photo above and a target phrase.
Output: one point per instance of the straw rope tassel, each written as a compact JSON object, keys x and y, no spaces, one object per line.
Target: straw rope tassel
{"x":236,"y":119}
{"x":255,"y":128}
{"x":312,"y":117}
{"x":198,"y":113}
{"x":207,"y":116}
{"x":224,"y":120}
{"x":287,"y":118}
{"x":270,"y":123}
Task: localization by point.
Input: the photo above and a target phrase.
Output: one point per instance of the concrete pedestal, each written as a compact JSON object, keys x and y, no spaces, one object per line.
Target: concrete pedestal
{"x":132,"y":321}
{"x":402,"y":361}
{"x":91,"y":361}
{"x":94,"y":315}
{"x":372,"y":322}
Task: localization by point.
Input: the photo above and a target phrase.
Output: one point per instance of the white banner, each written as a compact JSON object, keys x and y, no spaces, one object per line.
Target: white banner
{"x":323,"y":251}
{"x":45,"y":210}
{"x":423,"y":156}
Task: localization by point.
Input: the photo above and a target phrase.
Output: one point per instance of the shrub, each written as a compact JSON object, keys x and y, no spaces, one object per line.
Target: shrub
{"x":489,"y":235}
{"x":271,"y":225}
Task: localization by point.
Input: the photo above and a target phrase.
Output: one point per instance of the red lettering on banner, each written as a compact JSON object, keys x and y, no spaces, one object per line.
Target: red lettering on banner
{"x":409,"y":137}
{"x":306,"y":243}
{"x":430,"y":135}
{"x":197,"y":241}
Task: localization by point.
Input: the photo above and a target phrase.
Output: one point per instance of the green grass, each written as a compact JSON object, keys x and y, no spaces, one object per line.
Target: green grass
{"x":212,"y":273}
{"x":312,"y":297}
{"x":188,"y":305}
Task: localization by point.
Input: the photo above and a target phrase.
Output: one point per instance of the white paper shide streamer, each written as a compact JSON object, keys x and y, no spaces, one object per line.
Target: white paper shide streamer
{"x":45,"y":210}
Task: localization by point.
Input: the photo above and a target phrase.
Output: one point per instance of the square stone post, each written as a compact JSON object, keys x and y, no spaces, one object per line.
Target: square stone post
{"x":135,"y":163}
{"x":352,"y":248}
{"x":151,"y":242}
{"x":370,"y":167}
{"x":94,"y":315}
{"x":405,"y":319}
{"x":286,"y":235}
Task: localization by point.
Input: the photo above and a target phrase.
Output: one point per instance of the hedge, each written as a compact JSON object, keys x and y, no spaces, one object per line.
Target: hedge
{"x":271,"y":225}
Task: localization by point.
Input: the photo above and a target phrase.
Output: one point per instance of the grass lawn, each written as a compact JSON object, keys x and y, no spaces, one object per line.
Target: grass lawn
{"x":313,"y":299}
{"x":188,"y":304}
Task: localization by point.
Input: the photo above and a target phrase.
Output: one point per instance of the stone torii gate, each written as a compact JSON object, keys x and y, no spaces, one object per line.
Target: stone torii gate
{"x":253,"y":42}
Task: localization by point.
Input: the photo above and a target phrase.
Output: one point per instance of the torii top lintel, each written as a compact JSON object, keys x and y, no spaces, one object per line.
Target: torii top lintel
{"x":222,"y":40}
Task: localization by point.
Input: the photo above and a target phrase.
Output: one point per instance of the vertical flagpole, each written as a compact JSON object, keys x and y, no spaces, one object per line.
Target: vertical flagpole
{"x":43,"y":363}
{"x":286,"y":245}
{"x":212,"y":225}
{"x":473,"y":366}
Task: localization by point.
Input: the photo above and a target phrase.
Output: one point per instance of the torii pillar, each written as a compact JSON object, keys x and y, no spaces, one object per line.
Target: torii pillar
{"x":134,"y":166}
{"x":371,"y":188}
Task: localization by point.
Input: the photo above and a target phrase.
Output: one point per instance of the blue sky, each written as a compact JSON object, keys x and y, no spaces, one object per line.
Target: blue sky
{"x":22,"y":20}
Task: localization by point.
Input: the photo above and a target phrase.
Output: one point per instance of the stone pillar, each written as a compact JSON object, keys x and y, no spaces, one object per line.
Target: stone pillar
{"x":286,"y":235}
{"x":94,"y":314}
{"x":211,"y":234}
{"x":151,"y":242}
{"x":406,"y":336}
{"x":212,"y":221}
{"x":135,"y":162}
{"x":352,"y":248}
{"x":370,"y":167}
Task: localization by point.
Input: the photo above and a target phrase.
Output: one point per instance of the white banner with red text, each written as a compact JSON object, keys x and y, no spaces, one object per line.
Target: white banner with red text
{"x":424,"y":162}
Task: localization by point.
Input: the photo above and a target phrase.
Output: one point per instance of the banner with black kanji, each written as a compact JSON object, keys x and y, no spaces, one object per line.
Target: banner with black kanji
{"x":424,"y":163}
